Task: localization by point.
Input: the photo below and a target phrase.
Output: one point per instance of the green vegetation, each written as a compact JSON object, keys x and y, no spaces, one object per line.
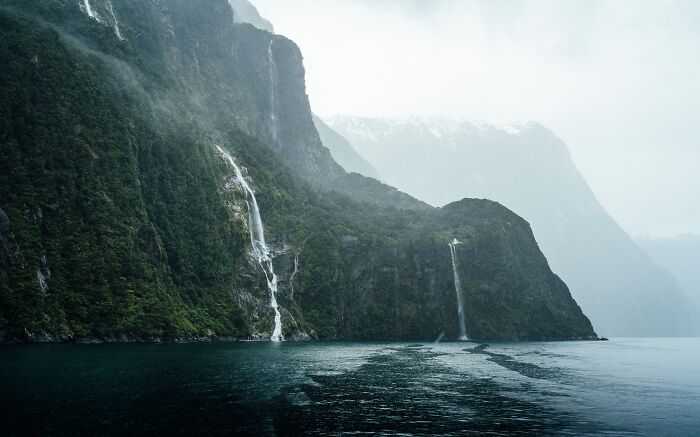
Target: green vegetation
{"x":115,"y":194}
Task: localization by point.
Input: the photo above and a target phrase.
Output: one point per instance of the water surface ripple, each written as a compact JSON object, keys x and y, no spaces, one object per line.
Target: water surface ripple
{"x":622,"y":387}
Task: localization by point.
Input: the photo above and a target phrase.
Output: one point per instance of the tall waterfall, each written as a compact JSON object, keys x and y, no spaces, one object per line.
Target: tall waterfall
{"x":458,"y":290}
{"x":257,"y":240}
{"x":272,"y":72}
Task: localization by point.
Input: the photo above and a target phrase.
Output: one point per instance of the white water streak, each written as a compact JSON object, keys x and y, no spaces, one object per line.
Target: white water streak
{"x":92,"y":14}
{"x":458,"y":290}
{"x":116,"y":22}
{"x":294,"y":273}
{"x":272,"y":72}
{"x":257,"y":240}
{"x":42,"y":281}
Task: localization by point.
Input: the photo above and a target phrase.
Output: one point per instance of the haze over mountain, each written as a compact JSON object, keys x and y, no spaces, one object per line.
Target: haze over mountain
{"x":245,"y":12}
{"x":525,"y":167}
{"x":681,"y":257}
{"x":162,"y":178}
{"x":343,"y":152}
{"x":617,"y":80}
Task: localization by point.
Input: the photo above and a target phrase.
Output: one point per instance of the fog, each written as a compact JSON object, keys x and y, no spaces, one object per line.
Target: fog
{"x":616,"y":80}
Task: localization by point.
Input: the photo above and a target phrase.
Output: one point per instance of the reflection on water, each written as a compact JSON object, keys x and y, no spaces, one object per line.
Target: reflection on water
{"x":640,"y":386}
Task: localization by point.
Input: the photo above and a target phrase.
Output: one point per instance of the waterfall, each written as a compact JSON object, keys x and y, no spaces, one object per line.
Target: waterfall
{"x":88,"y":9}
{"x":294,"y":273}
{"x":458,"y":290}
{"x":116,"y":23}
{"x":42,"y":281}
{"x":272,"y":72}
{"x":257,"y":240}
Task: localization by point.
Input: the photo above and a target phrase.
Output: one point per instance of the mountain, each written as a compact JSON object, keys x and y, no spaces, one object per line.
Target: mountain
{"x":680,"y":256}
{"x":371,"y":191}
{"x":162,"y":178}
{"x":343,"y":153}
{"x":245,"y":12}
{"x":527,"y":168}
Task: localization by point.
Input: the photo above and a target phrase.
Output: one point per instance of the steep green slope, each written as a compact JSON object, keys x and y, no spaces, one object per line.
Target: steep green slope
{"x":119,"y":219}
{"x":87,"y":205}
{"x":528,"y":169}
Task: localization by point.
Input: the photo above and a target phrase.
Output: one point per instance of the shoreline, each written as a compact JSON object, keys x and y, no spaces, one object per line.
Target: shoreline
{"x":32,"y":339}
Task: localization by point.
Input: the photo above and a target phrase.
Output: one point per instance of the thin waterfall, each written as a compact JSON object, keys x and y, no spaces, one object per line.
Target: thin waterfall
{"x":294,"y":273}
{"x":458,"y":290}
{"x":257,"y":240}
{"x":272,"y":72}
{"x":88,"y":10}
{"x":116,"y":22}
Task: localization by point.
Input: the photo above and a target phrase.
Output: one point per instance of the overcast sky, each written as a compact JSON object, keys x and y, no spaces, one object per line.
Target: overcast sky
{"x":618,"y":80}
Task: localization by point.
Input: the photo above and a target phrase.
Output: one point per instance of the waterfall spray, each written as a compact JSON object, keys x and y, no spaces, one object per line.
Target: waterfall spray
{"x":458,"y":290}
{"x":257,"y":240}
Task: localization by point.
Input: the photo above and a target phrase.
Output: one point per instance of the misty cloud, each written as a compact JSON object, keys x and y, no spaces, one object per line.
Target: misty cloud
{"x":617,"y":80}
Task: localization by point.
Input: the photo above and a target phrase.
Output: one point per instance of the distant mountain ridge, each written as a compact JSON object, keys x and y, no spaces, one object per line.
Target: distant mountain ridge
{"x":343,"y":152}
{"x":527,"y":168}
{"x":245,"y":12}
{"x":680,"y":255}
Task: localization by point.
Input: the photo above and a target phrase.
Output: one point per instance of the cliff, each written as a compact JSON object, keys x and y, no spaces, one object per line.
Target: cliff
{"x":528,"y":169}
{"x":121,"y":220}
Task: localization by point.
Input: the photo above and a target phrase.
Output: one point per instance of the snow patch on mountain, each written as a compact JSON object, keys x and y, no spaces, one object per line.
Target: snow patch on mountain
{"x":448,"y":132}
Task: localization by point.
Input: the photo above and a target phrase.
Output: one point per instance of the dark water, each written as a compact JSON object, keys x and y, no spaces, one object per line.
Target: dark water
{"x":621,"y":387}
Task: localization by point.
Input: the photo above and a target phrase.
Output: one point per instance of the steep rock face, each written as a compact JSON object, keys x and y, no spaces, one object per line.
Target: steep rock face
{"x":241,"y":75}
{"x":525,"y":167}
{"x":124,"y":222}
{"x":404,"y":288}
